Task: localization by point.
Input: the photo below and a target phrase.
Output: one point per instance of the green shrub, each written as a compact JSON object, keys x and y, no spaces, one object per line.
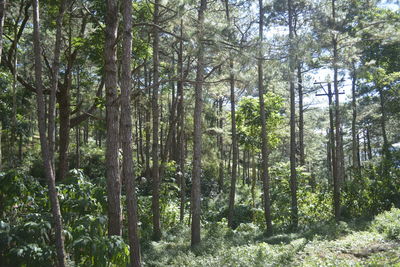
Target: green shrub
{"x":388,"y":223}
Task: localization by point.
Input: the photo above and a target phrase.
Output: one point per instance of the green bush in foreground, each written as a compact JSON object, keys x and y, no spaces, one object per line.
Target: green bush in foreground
{"x":388,"y":223}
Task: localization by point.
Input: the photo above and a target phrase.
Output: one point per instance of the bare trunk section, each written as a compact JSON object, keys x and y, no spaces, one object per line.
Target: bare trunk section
{"x":221,"y":148}
{"x":354,"y":134}
{"x":110,"y":82}
{"x":235,"y":151}
{"x":2,"y":16}
{"x":331,"y":146}
{"x":301,"y":116}
{"x":264,"y":136}
{"x":293,"y":174}
{"x":49,"y":172}
{"x":181,"y":128}
{"x":54,"y":80}
{"x":197,"y":138}
{"x":338,"y":157}
{"x":385,"y":147}
{"x":126,"y":135}
{"x":156,"y":121}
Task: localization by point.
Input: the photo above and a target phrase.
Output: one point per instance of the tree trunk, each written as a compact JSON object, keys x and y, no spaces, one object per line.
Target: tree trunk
{"x":369,"y":148}
{"x":264,"y":136}
{"x":234,"y":148}
{"x":338,"y":155}
{"x":197,"y":139}
{"x":253,"y":179}
{"x":354,"y":140}
{"x":235,"y":151}
{"x":1,"y":155}
{"x":110,"y":82}
{"x":54,"y":79}
{"x":49,"y":172}
{"x":156,"y":120}
{"x":221,"y":148}
{"x":293,"y":174}
{"x":126,"y":134}
{"x":2,"y":16}
{"x":301,"y":116}
{"x":385,"y":148}
{"x":181,"y":128}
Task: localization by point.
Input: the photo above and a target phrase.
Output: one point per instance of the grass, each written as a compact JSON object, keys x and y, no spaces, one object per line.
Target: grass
{"x":353,"y":243}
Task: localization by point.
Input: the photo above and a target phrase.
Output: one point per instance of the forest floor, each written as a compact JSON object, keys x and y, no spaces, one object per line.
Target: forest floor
{"x":330,"y":244}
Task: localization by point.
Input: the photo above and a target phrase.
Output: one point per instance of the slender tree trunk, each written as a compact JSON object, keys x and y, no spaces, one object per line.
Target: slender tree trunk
{"x":301,"y":116}
{"x":221,"y":148}
{"x":54,"y":80}
{"x":293,"y":174}
{"x":235,"y":155}
{"x":126,"y":134}
{"x":369,"y":148}
{"x":78,"y":128}
{"x":14,"y":101}
{"x":181,"y":128}
{"x":338,"y":155}
{"x":232,"y":191}
{"x":49,"y":172}
{"x":253,"y":179}
{"x":2,"y":16}
{"x":385,"y":148}
{"x":64,"y":106}
{"x":264,"y":136}
{"x":197,"y":138}
{"x":1,"y":155}
{"x":355,"y":148}
{"x":156,"y":120}
{"x":110,"y":82}
{"x":147,"y":129}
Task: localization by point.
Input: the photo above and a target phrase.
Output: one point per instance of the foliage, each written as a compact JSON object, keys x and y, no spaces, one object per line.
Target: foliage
{"x":249,"y":120}
{"x":388,"y":223}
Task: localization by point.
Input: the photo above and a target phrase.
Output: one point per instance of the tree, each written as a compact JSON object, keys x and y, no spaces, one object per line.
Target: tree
{"x":49,"y":172}
{"x":156,"y":119}
{"x":110,"y":82}
{"x":293,"y":175}
{"x":126,"y":135}
{"x":264,"y":136}
{"x":235,"y":152}
{"x":197,"y":138}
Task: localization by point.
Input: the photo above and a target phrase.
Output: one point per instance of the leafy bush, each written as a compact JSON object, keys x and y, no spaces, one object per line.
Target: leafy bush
{"x":388,"y":223}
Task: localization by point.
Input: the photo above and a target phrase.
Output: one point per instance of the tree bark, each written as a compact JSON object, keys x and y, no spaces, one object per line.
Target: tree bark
{"x":293,"y":174}
{"x":369,"y":148}
{"x":156,"y":121}
{"x":301,"y":116}
{"x":126,"y":134}
{"x":235,"y":151}
{"x":54,"y":80}
{"x":2,"y":16}
{"x":354,"y":134}
{"x":110,"y":81}
{"x":181,"y":128}
{"x":197,"y":138}
{"x":338,"y":155}
{"x":49,"y":172}
{"x":264,"y":136}
{"x":385,"y":147}
{"x":221,"y":148}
